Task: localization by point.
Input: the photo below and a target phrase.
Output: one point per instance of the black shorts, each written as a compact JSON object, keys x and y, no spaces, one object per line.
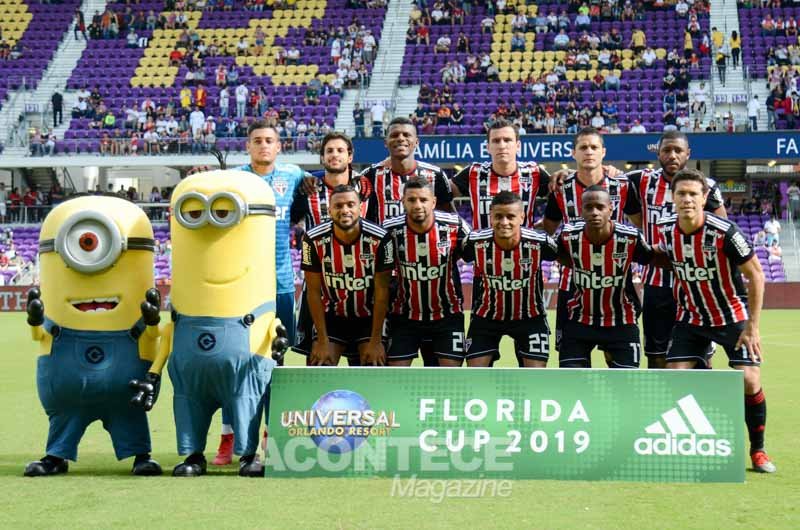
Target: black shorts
{"x":305,"y":327}
{"x":562,"y":315}
{"x":658,"y":318}
{"x":406,"y":336}
{"x":620,"y":342}
{"x":348,"y":332}
{"x":531,"y":337}
{"x":692,"y":343}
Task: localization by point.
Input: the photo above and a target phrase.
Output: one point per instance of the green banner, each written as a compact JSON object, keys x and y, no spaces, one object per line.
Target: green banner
{"x":636,"y":425}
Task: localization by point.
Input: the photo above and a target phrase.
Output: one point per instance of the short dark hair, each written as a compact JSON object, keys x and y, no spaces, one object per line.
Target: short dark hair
{"x":597,"y":188}
{"x":673,"y":135}
{"x":335,"y":135}
{"x":400,"y":120}
{"x":690,"y":175}
{"x":505,"y":197}
{"x":345,"y":188}
{"x":418,"y":183}
{"x":589,"y":131}
{"x":501,"y":123}
{"x":261,"y":124}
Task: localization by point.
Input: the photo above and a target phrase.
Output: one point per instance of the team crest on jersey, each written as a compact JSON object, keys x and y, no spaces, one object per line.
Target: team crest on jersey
{"x":688,"y":250}
{"x":280,"y":186}
{"x":620,"y":258}
{"x":597,"y":259}
{"x":504,"y":184}
{"x":422,"y":249}
{"x":525,"y":263}
{"x":467,"y":343}
{"x":366,"y":259}
{"x":709,"y":251}
{"x":349,"y":260}
{"x":442,"y":246}
{"x":508,"y":264}
{"x":525,"y":183}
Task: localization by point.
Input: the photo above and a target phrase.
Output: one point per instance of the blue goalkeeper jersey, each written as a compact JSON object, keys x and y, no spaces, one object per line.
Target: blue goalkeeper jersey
{"x":284,"y":180}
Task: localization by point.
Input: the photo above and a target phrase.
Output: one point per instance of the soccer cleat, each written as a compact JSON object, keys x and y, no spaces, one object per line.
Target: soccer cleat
{"x":762,"y":463}
{"x":144,"y":466}
{"x":250,"y":466}
{"x":225,"y":451}
{"x":193,"y":466}
{"x":49,"y":465}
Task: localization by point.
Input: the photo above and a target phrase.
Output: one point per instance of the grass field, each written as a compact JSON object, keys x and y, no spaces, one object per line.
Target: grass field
{"x":99,"y":492}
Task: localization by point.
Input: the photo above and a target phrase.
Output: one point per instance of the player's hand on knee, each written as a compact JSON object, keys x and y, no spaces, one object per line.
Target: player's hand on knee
{"x":35,"y":307}
{"x":750,"y":339}
{"x":146,"y":391}
{"x":151,"y":307}
{"x":374,"y":354}
{"x":319,"y":353}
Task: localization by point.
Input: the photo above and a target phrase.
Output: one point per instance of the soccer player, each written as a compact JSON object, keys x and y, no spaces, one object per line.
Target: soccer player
{"x":709,"y":256}
{"x":388,"y":178}
{"x":480,"y":182}
{"x":263,"y":146}
{"x":655,"y":195}
{"x":603,"y":307}
{"x":427,"y":305}
{"x":507,"y":287}
{"x":310,"y":209}
{"x":348,"y":263}
{"x":564,"y":204}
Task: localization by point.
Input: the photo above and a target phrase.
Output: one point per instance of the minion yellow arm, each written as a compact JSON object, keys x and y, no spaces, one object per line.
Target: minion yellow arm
{"x":165,"y":347}
{"x":149,"y":342}
{"x":265,"y":348}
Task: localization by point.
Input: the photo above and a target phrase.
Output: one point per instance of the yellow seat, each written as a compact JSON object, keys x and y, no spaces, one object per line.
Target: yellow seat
{"x":516,"y":56}
{"x":570,"y":75}
{"x":581,"y":75}
{"x":514,"y":76}
{"x":661,"y":53}
{"x":504,"y":76}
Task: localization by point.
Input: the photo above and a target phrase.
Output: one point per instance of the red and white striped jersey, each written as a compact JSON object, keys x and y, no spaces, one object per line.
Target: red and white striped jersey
{"x":564,"y":205}
{"x":348,"y":269}
{"x":480,"y":183}
{"x":387,"y":188}
{"x":314,"y":208}
{"x":508,"y":283}
{"x":708,"y":287}
{"x":429,"y":284}
{"x":655,"y":196}
{"x":602,"y":291}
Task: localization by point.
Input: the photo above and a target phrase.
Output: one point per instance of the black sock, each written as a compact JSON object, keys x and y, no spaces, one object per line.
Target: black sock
{"x":755,"y":416}
{"x":196,"y":458}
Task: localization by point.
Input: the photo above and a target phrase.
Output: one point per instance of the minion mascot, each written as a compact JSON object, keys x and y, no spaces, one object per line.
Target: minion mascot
{"x":223,"y":312}
{"x":94,"y":331}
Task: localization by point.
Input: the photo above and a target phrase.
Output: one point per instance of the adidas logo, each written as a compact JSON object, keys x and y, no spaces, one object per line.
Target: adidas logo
{"x":683,"y":430}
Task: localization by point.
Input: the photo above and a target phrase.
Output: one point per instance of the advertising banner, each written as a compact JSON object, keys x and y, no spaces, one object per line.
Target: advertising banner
{"x":633,"y":425}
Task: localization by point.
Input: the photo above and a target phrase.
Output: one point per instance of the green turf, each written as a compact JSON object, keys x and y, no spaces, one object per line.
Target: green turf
{"x":98,"y":492}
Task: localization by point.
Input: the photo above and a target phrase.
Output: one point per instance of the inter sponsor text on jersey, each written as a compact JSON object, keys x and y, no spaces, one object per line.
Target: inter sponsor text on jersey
{"x":387,"y":188}
{"x":348,"y":270}
{"x":602,"y":284}
{"x":507,"y":284}
{"x":313,"y":208}
{"x":429,"y":286}
{"x":480,"y":183}
{"x":655,"y":196}
{"x":705,"y":265}
{"x":565,"y":204}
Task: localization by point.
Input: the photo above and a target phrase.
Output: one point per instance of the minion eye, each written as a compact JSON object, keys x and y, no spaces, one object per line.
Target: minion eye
{"x":222,"y":214}
{"x":195,"y":214}
{"x":89,"y":242}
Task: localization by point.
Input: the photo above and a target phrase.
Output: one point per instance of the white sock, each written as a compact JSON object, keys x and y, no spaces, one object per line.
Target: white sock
{"x":226,"y":429}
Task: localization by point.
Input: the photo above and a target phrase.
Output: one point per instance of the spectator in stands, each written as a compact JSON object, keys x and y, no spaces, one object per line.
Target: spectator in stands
{"x":518,"y":42}
{"x":583,"y":22}
{"x":519,"y":22}
{"x":772,"y":227}
{"x":241,"y":100}
{"x":423,"y":34}
{"x":3,"y":209}
{"x":669,"y":102}
{"x":80,"y":25}
{"x":358,"y":120}
{"x":767,"y":25}
{"x":561,"y":41}
{"x":721,"y":62}
{"x":201,"y":96}
{"x":736,"y":48}
{"x":540,"y":22}
{"x":637,"y":128}
{"x":753,"y":112}
{"x":293,"y":55}
{"x":377,"y":112}
{"x":648,"y":58}
{"x":443,"y":44}
{"x":638,"y":41}
{"x":598,"y":82}
{"x":682,"y":8}
{"x":36,"y":144}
